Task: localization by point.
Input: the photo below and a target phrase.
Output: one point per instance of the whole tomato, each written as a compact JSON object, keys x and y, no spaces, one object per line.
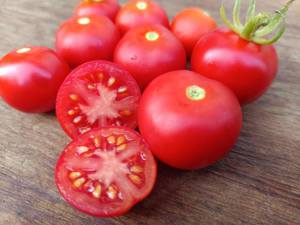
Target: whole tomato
{"x":149,"y":51}
{"x":140,"y":12}
{"x":189,"y":121}
{"x":190,"y":24}
{"x":83,"y":39}
{"x":107,"y":8}
{"x":30,"y":78}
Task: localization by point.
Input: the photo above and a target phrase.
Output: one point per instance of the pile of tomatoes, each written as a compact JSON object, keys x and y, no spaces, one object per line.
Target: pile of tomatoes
{"x":118,"y":68}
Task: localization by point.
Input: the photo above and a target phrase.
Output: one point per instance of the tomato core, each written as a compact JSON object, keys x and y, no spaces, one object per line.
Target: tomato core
{"x":23,"y":50}
{"x":195,"y":93}
{"x":152,"y":36}
{"x":84,"y":21}
{"x":142,"y":5}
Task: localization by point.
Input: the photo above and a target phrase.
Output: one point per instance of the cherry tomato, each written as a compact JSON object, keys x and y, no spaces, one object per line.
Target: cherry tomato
{"x":107,"y":8}
{"x":140,"y":12}
{"x":30,"y":78}
{"x":97,"y":94}
{"x":189,"y":121}
{"x":190,"y":24}
{"x":106,"y":172}
{"x":84,"y":39}
{"x":245,"y":67}
{"x":149,"y":51}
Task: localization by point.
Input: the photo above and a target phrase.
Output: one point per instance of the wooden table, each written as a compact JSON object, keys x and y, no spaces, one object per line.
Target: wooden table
{"x":258,"y":183}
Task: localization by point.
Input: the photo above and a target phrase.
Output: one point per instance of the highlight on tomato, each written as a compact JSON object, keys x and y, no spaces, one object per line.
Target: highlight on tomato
{"x":140,"y":12}
{"x":83,"y":39}
{"x":108,"y":8}
{"x":30,"y":78}
{"x":106,"y":172}
{"x":190,"y":24}
{"x":97,"y":94}
{"x":149,"y":51}
{"x":242,"y":56}
{"x":189,"y":121}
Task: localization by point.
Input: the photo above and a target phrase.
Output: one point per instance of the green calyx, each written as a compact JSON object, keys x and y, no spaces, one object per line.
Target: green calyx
{"x":257,"y":26}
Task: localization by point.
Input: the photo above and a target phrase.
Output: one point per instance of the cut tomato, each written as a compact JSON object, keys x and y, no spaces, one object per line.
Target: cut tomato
{"x":97,"y":94}
{"x":106,"y":172}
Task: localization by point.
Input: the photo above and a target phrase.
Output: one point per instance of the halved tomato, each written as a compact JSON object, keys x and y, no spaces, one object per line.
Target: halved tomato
{"x":97,"y":94}
{"x":106,"y":172}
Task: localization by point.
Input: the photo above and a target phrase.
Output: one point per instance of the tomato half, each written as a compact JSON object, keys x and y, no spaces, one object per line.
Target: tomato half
{"x":107,"y":8}
{"x":83,"y":39}
{"x":149,"y":51}
{"x":190,"y":24}
{"x":140,"y":12}
{"x":30,"y":78}
{"x":106,"y":172}
{"x":245,"y":67}
{"x":189,"y":121}
{"x":97,"y":94}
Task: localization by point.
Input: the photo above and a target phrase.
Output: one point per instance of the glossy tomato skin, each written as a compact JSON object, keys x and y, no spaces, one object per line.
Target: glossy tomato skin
{"x":146,"y":59}
{"x":84,"y":39}
{"x":30,"y":78}
{"x":108,"y":8}
{"x":190,"y":24}
{"x":186,"y":133}
{"x":138,"y":13}
{"x":245,"y":67}
{"x":101,"y":205}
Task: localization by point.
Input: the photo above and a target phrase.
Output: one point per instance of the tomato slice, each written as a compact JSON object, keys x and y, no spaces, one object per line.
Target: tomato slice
{"x":97,"y":94}
{"x":106,"y":171}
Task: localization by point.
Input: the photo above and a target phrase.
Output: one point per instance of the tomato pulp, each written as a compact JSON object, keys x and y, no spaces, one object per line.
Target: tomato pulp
{"x":97,"y":94}
{"x":189,"y":121}
{"x":149,"y":51}
{"x":248,"y":69}
{"x":30,"y":78}
{"x":106,"y":171}
{"x":83,"y":39}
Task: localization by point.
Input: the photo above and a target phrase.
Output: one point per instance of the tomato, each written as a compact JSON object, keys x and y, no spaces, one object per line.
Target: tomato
{"x":189,"y":121}
{"x":97,"y":94}
{"x":84,"y":39}
{"x":140,"y":12}
{"x":30,"y":78}
{"x":245,"y":67}
{"x":107,"y":8}
{"x":149,"y":51}
{"x":106,"y":172}
{"x":190,"y":24}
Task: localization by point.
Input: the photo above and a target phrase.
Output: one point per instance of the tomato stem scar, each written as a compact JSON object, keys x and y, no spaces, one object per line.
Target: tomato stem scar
{"x":23,"y":50}
{"x":84,"y":21}
{"x":152,"y":36}
{"x":142,"y":5}
{"x":195,"y":93}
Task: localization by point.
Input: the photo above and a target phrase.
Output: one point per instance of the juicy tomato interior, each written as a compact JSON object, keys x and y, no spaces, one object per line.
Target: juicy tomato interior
{"x":106,"y":171}
{"x":97,"y":94}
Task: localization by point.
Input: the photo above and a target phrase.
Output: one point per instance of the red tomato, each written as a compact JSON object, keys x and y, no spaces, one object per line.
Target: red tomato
{"x":107,"y":8}
{"x":30,"y":78}
{"x":189,"y":121}
{"x":97,"y":94}
{"x":245,"y":67}
{"x":106,"y":172}
{"x":149,"y":51}
{"x":140,"y":12}
{"x":84,"y":39}
{"x":190,"y":24}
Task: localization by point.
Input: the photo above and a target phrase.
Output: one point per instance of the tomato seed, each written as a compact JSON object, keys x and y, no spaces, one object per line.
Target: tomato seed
{"x":97,"y":142}
{"x":82,"y":149}
{"x":121,"y":147}
{"x":79,"y":182}
{"x":73,"y":97}
{"x":100,"y":76}
{"x":77,"y":119}
{"x":71,"y":112}
{"x":121,"y":140}
{"x":126,"y":113}
{"x":136,"y":169}
{"x":74,"y":175}
{"x":97,"y":191}
{"x":111,"y":140}
{"x":111,"y":192}
{"x":135,"y":179}
{"x":122,"y":89}
{"x":91,"y":87}
{"x":111,"y":81}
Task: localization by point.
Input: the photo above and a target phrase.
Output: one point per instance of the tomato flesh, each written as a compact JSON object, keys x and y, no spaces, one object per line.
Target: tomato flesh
{"x":106,"y":171}
{"x":97,"y":94}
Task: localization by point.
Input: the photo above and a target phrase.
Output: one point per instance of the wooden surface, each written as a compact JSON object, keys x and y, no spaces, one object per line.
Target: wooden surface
{"x":258,"y":183}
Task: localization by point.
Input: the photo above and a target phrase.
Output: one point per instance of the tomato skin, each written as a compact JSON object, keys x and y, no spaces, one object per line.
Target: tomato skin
{"x":247,"y":68}
{"x":79,"y":43}
{"x":108,"y":8}
{"x":146,"y":59}
{"x":88,"y":204}
{"x":130,"y":16}
{"x":29,"y":80}
{"x":190,"y":24}
{"x":188,"y":134}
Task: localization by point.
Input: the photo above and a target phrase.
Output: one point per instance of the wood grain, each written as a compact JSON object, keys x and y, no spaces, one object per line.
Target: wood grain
{"x":257,"y":184}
